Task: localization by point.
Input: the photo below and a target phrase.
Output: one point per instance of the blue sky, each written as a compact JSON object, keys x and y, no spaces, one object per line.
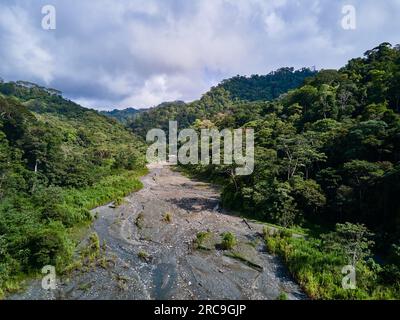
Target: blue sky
{"x":109,"y":54}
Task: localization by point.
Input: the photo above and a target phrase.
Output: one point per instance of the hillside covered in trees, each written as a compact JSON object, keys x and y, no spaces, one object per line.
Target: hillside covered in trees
{"x":58,"y":160}
{"x":265,"y":87}
{"x":123,"y":116}
{"x":326,"y":159}
{"x":221,"y":99}
{"x":327,"y":155}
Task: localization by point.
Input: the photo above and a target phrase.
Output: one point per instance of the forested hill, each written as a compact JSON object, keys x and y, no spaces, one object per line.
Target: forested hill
{"x":327,"y":163}
{"x":123,"y":116}
{"x":327,"y":154}
{"x":220,"y":99}
{"x":265,"y":87}
{"x":57,"y":161}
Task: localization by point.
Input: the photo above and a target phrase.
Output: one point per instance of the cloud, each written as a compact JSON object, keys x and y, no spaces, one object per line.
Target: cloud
{"x":155,"y":89}
{"x":22,"y":53}
{"x":138,"y":53}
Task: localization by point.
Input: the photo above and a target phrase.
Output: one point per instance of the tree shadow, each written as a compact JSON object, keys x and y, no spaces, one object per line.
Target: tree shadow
{"x":196,"y":204}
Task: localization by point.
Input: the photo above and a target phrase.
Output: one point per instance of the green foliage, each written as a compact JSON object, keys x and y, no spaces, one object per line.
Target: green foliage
{"x":201,"y":237}
{"x":143,"y":255}
{"x":230,"y":103}
{"x":351,"y":240}
{"x":268,"y":87}
{"x":123,"y":116}
{"x":94,"y":243}
{"x":228,"y":241}
{"x":57,"y":162}
{"x":318,"y":269}
{"x":326,"y":153}
{"x":283,"y":296}
{"x":118,"y":201}
{"x":323,"y":152}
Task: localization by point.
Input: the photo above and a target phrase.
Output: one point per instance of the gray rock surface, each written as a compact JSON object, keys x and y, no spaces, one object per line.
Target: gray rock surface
{"x":173,"y":269}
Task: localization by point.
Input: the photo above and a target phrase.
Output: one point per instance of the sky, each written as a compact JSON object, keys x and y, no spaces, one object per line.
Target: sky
{"x":114,"y":54}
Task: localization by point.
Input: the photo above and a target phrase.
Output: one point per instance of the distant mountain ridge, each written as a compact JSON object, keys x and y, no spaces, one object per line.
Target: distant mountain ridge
{"x":123,"y":116}
{"x":265,"y":87}
{"x":224,"y":100}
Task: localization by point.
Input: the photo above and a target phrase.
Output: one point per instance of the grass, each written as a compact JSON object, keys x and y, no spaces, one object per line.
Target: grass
{"x":57,"y":239}
{"x":77,"y":202}
{"x":201,"y":237}
{"x":167,"y":217}
{"x":318,"y":271}
{"x":119,"y":201}
{"x":228,"y":241}
{"x":283,"y":296}
{"x":143,"y":255}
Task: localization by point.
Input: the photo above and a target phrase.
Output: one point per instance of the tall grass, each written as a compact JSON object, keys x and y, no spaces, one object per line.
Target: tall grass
{"x":318,"y":272}
{"x":40,"y":233}
{"x":79,"y":201}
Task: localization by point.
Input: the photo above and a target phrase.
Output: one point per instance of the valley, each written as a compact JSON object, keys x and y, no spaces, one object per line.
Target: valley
{"x":148,"y":257}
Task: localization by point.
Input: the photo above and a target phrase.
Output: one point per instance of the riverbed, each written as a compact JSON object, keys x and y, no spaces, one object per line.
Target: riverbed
{"x":149,"y":252}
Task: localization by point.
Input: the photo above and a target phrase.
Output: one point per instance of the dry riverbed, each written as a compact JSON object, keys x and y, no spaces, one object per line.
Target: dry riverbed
{"x":147,"y":250}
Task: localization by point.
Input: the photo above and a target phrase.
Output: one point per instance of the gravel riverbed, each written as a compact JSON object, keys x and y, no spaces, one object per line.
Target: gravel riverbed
{"x":149,"y":257}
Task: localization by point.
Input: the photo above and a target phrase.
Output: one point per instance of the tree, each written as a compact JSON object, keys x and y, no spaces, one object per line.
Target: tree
{"x":353,"y":240}
{"x":309,"y":196}
{"x":281,"y":204}
{"x":299,"y":153}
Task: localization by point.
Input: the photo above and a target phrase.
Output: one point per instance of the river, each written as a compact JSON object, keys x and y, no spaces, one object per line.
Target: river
{"x":148,"y":257}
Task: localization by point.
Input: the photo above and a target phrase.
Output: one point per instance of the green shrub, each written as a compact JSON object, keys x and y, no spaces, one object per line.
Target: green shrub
{"x":37,"y":233}
{"x":228,"y":241}
{"x":94,"y":242}
{"x":285,"y":233}
{"x":319,"y":272}
{"x":282,"y":296}
{"x":200,"y":238}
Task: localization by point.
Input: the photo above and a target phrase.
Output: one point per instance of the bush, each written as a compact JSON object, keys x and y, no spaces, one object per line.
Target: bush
{"x":282,"y":296}
{"x":285,"y":233}
{"x":50,"y":246}
{"x":200,"y":238}
{"x":34,"y":231}
{"x":319,"y":272}
{"x":228,"y":241}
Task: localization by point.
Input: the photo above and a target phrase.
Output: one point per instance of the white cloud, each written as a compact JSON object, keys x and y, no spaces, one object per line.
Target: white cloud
{"x":138,"y":53}
{"x":155,"y":90}
{"x":22,"y":50}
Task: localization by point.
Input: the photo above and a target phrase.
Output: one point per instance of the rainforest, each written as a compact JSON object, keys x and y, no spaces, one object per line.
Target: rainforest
{"x":324,"y":189}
